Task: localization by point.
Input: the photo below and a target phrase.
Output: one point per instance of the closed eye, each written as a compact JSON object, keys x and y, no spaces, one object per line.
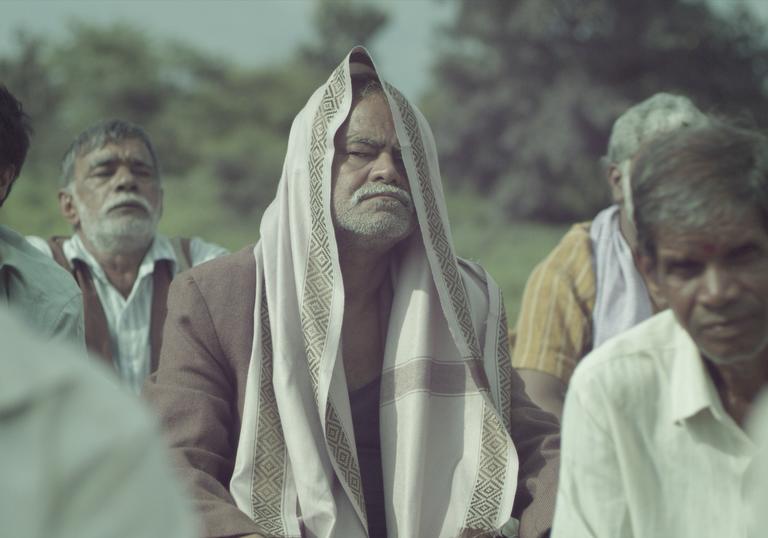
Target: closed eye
{"x":102,"y":172}
{"x":142,"y":171}
{"x":744,"y":253}
{"x":684,"y":268}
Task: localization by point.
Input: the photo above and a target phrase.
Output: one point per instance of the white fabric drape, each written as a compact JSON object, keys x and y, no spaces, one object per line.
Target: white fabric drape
{"x":449,"y":464}
{"x":622,"y":299}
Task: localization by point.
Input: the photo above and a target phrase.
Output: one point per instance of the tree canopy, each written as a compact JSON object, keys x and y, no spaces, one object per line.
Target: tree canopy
{"x":218,"y":127}
{"x":527,"y":90}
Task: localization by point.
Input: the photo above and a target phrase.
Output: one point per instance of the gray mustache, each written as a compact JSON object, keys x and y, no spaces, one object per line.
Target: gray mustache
{"x":372,"y":189}
{"x":120,"y":199}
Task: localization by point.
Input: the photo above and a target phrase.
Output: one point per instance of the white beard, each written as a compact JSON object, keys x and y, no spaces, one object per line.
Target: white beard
{"x":380,"y":229}
{"x":115,"y":234}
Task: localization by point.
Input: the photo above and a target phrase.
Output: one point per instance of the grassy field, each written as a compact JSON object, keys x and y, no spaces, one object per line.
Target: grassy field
{"x":508,"y":250}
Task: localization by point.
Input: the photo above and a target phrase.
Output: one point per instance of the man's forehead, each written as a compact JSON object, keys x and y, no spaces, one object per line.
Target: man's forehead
{"x":716,"y":239}
{"x":128,"y":149}
{"x":370,"y":121}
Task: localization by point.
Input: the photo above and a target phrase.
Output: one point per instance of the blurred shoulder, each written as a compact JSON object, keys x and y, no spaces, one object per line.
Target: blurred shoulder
{"x":573,"y":253}
{"x":44,"y":280}
{"x":632,"y":368}
{"x":202,"y":251}
{"x":37,"y":375}
{"x":40,"y":244}
{"x":222,"y":279}
{"x":473,"y":272}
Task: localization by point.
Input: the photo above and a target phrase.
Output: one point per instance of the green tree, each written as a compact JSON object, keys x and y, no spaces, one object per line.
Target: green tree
{"x":527,"y":90}
{"x":339,"y":26}
{"x":27,"y":76}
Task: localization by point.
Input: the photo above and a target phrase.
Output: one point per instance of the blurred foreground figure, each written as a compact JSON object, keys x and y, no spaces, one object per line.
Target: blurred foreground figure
{"x":349,"y":376}
{"x":757,"y":479}
{"x":653,"y":438}
{"x":112,"y":195}
{"x":31,"y":284}
{"x":81,"y":459}
{"x":588,"y":289}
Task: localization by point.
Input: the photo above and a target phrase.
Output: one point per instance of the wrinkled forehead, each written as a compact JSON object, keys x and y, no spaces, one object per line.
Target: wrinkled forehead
{"x":369,"y":121}
{"x":129,"y":151}
{"x":719,"y":231}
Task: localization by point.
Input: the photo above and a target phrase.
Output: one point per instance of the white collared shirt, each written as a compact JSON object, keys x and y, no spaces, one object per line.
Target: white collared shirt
{"x":129,"y":318}
{"x":39,"y":290}
{"x":647,"y":447}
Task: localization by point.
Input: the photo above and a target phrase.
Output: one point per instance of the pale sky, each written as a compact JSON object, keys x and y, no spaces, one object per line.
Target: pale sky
{"x":253,"y":33}
{"x":259,"y":32}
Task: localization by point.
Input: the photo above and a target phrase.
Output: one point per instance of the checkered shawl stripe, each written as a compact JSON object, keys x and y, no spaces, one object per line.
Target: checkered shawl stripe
{"x":483,"y":509}
{"x":484,"y":506}
{"x":438,"y":238}
{"x":504,"y":366}
{"x":345,"y":458}
{"x":318,"y":286}
{"x":318,"y":283}
{"x":269,"y":454}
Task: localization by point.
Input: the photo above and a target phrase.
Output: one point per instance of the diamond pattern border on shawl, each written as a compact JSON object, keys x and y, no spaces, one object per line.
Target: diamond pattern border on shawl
{"x":269,"y":457}
{"x":318,"y":284}
{"x":342,"y":453}
{"x":437,"y":235}
{"x":504,"y":365}
{"x":484,"y":506}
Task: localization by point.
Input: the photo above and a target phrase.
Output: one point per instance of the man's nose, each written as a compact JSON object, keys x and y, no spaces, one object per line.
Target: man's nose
{"x":389,"y":170}
{"x":125,"y":180}
{"x":720,"y":286}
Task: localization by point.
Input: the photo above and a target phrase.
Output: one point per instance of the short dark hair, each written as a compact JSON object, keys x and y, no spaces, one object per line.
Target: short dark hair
{"x":15,"y":132}
{"x":692,"y":178}
{"x":97,"y":136}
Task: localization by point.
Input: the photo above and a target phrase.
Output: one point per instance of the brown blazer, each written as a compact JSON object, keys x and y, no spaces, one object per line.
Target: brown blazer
{"x":199,"y":391}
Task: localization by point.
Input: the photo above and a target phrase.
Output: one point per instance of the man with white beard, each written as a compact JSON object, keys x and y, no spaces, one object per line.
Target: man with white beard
{"x":349,"y":376}
{"x":112,"y":195}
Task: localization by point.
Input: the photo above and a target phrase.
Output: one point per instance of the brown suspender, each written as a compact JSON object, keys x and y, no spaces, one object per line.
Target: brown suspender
{"x":97,"y":338}
{"x":161,"y":281}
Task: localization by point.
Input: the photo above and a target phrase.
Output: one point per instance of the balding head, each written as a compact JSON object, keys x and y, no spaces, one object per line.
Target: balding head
{"x":659,"y":114}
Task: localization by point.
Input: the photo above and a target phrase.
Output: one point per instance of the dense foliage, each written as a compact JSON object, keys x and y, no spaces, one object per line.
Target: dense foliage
{"x":218,"y":127}
{"x":526,"y":90}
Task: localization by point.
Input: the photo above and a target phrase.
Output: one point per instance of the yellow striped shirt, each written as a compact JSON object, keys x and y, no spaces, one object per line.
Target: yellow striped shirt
{"x":554,"y":328}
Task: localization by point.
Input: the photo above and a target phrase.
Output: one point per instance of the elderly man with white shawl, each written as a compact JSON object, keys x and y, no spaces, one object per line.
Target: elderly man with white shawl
{"x":349,"y":376}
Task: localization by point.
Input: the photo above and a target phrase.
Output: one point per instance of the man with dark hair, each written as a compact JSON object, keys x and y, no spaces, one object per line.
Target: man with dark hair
{"x":350,"y":375}
{"x":31,"y":284}
{"x":588,"y":288}
{"x":653,"y":436}
{"x":112,"y":196}
{"x":14,"y":141}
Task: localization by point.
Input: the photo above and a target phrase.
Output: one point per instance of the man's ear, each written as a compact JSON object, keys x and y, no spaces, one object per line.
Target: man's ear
{"x":7,"y":175}
{"x":645,"y":264}
{"x":67,"y":207}
{"x":614,"y":182}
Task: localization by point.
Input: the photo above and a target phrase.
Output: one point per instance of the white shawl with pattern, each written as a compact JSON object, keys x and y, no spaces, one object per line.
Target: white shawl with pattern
{"x":449,"y":464}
